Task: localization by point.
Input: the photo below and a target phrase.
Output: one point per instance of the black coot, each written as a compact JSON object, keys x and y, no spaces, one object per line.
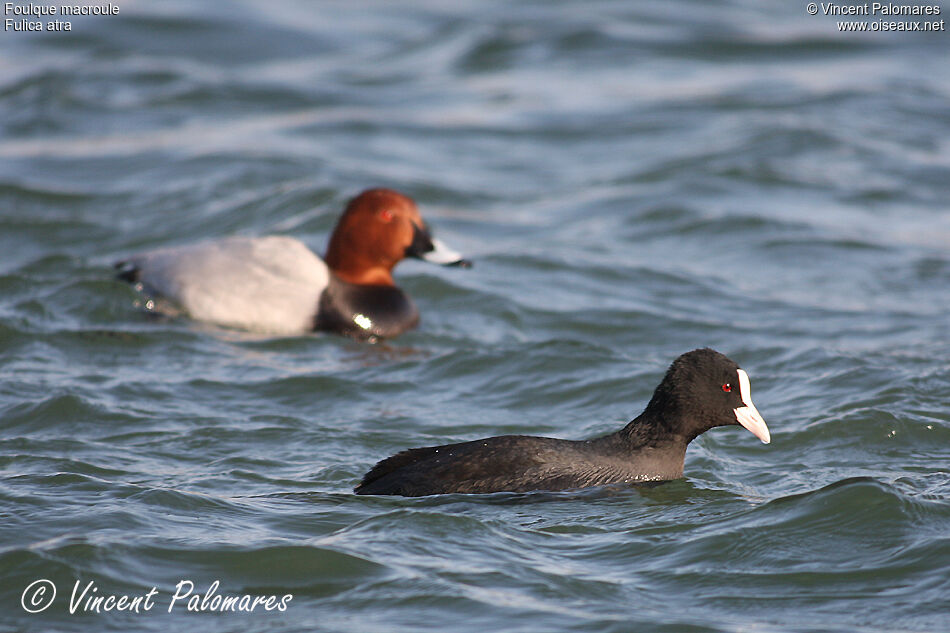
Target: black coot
{"x":702,"y":389}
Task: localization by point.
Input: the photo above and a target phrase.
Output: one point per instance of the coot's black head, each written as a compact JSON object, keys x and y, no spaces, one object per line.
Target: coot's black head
{"x":704,"y":389}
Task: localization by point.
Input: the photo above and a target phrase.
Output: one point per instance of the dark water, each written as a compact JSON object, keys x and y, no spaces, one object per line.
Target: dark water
{"x":633,"y":181}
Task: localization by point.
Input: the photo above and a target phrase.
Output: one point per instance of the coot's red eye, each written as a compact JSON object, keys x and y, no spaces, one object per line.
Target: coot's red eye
{"x":727,"y":387}
{"x":386,"y":215}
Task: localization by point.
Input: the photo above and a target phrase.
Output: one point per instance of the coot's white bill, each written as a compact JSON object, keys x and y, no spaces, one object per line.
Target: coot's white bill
{"x":748,"y":415}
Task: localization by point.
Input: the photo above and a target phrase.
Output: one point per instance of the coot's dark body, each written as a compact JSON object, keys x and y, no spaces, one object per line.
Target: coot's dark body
{"x":701,"y":390}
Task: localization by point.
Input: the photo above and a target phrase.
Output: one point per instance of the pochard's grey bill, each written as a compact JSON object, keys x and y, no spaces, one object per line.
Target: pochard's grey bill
{"x":444,"y":256}
{"x":748,"y":416}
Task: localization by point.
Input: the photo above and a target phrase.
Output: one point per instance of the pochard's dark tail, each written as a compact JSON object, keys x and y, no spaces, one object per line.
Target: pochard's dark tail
{"x":126,"y":270}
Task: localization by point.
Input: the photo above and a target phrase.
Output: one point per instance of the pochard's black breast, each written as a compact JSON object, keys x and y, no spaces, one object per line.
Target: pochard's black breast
{"x":365,"y":311}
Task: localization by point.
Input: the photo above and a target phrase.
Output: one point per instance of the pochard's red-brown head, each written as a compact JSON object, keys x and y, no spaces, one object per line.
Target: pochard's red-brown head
{"x":378,"y":229}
